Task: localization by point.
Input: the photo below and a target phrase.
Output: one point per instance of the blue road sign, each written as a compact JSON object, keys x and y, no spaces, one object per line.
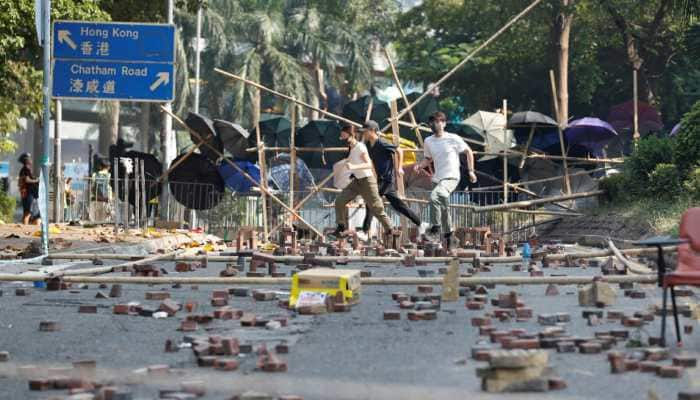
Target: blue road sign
{"x":113,"y":41}
{"x":96,"y":80}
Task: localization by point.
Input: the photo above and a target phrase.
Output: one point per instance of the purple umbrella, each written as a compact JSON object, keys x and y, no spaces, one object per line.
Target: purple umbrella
{"x":592,"y":133}
{"x":675,"y":129}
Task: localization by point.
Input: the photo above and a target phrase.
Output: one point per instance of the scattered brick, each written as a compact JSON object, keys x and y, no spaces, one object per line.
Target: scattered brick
{"x":688,"y":329}
{"x":474,"y":305}
{"x":100,"y":295}
{"x":226,"y":364}
{"x":616,"y":314}
{"x":632,"y":322}
{"x":622,"y":334}
{"x":4,"y":356}
{"x":206,"y":361}
{"x":631,"y":364}
{"x":425,"y":289}
{"x":523,"y":313}
{"x":188,"y":326}
{"x":49,"y":326}
{"x":159,"y":295}
{"x":480,"y":321}
{"x":219,"y":302}
{"x":170,"y":306}
{"x":121,"y":309}
{"x":40,"y":384}
{"x":87,"y":309}
{"x":264,"y":295}
{"x":648,"y":366}
{"x":557,"y":384}
{"x":115,"y":291}
{"x":22,"y":292}
{"x":248,"y":319}
{"x":670,"y":371}
{"x":685,"y":361}
{"x":689,"y":395}
{"x":656,"y":354}
{"x":423,"y":315}
{"x":590,"y":348}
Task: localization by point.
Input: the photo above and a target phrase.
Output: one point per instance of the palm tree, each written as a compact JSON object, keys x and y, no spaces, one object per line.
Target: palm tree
{"x":273,"y":42}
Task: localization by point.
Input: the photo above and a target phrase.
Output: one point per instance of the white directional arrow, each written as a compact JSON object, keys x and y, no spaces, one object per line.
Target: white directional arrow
{"x":64,"y":36}
{"x":163,"y":78}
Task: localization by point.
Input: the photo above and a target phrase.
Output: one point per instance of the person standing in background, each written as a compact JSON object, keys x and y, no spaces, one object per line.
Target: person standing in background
{"x":29,"y":191}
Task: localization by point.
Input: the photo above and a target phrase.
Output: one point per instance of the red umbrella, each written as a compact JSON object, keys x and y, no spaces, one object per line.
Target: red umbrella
{"x":621,"y":117}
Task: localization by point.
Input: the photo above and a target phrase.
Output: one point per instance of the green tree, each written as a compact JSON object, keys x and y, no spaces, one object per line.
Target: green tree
{"x":21,"y":67}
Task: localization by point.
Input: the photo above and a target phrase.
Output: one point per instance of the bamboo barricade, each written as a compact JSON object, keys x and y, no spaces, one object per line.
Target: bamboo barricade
{"x":560,"y":123}
{"x":128,"y":266}
{"x":245,"y":174}
{"x":389,"y":281}
{"x":263,"y":178}
{"x":469,"y":57}
{"x":292,"y":161}
{"x":373,"y":259}
{"x":405,"y":99}
{"x":632,"y":267}
{"x":303,"y":201}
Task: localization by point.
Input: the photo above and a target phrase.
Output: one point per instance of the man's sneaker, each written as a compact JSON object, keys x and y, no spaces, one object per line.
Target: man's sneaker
{"x":363,"y":236}
{"x":422,"y":228}
{"x":433,"y":234}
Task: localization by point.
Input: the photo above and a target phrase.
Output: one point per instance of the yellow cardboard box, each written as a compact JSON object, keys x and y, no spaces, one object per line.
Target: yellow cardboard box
{"x":329,"y":281}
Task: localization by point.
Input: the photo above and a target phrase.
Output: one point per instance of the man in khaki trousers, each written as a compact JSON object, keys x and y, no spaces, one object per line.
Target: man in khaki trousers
{"x":362,"y":183}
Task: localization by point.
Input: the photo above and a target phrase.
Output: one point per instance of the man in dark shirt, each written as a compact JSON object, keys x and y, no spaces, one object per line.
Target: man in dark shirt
{"x":28,"y":190}
{"x":386,"y":160}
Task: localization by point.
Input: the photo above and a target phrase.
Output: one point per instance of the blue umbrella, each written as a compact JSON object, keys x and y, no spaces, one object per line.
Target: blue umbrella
{"x":279,"y":173}
{"x":591,"y":133}
{"x":234,"y":180}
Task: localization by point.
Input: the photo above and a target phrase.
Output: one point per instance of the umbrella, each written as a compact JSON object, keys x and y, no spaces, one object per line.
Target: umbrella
{"x":492,"y":129}
{"x":675,"y":129}
{"x":234,"y":180}
{"x":275,"y":132}
{"x":591,"y":133}
{"x":234,"y":138}
{"x":529,"y":119}
{"x":320,"y":133}
{"x":152,"y":171}
{"x":205,"y":128}
{"x":356,"y":110}
{"x":279,"y":173}
{"x":621,"y":117}
{"x":466,"y":131}
{"x":196,"y":183}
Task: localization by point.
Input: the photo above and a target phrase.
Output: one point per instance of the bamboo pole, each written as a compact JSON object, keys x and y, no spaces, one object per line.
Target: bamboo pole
{"x":128,"y":266}
{"x":635,"y":94}
{"x":405,"y":100}
{"x":470,"y":56}
{"x":506,"y":220}
{"x":370,"y":259}
{"x":263,"y":177}
{"x":401,"y":189}
{"x":547,"y":212}
{"x":632,"y":267}
{"x":528,"y":203}
{"x":286,"y":97}
{"x":292,"y":161}
{"x":245,"y":174}
{"x":560,"y":124}
{"x":401,"y":281}
{"x":527,"y":146}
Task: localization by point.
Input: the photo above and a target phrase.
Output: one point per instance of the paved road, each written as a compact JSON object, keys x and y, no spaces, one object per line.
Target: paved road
{"x":353,"y":355}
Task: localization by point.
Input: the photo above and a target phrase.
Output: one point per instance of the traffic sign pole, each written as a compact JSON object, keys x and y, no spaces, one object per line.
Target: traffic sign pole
{"x":44,"y":208}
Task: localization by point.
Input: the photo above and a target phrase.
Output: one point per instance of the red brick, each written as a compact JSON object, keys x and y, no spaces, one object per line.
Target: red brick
{"x":22,"y":292}
{"x":631,"y":364}
{"x":480,"y":321}
{"x":556,"y":384}
{"x":159,"y":295}
{"x":685,"y":361}
{"x":197,"y":388}
{"x":264,"y":295}
{"x":406,"y":305}
{"x":188,"y":326}
{"x":648,"y":366}
{"x":522,"y":312}
{"x":522,"y":344}
{"x":486,"y":330}
{"x":169,"y":306}
{"x":218,"y":302}
{"x":40,"y":384}
{"x":220,"y":293}
{"x":49,"y":326}
{"x":474,"y":305}
{"x":282,"y":348}
{"x":226,"y":364}
{"x":87,"y":309}
{"x":248,"y":319}
{"x":230,"y":346}
{"x":206,"y":361}
{"x":425,"y":289}
{"x":590,"y":348}
{"x":670,"y":371}
{"x":183,"y":267}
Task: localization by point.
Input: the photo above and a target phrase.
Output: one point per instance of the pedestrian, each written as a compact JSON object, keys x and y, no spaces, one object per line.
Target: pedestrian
{"x":28,"y":191}
{"x":443,"y":150}
{"x":69,"y":200}
{"x":387,"y":160}
{"x":101,"y":193}
{"x":362,"y":183}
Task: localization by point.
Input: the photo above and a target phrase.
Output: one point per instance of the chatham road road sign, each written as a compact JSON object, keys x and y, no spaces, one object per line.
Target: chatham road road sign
{"x":118,"y":61}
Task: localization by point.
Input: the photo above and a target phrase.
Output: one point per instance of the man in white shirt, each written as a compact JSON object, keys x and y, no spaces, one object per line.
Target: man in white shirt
{"x":443,"y":150}
{"x":362,"y":183}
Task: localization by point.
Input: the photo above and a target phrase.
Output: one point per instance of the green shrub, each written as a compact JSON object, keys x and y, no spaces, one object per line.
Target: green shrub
{"x":7,"y":207}
{"x":686,"y":152}
{"x":650,"y":152}
{"x":615,"y":187}
{"x":664,"y":182}
{"x":692,"y":183}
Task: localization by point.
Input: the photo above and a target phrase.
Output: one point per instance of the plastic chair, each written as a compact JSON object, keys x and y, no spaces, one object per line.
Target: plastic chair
{"x":687,"y":271}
